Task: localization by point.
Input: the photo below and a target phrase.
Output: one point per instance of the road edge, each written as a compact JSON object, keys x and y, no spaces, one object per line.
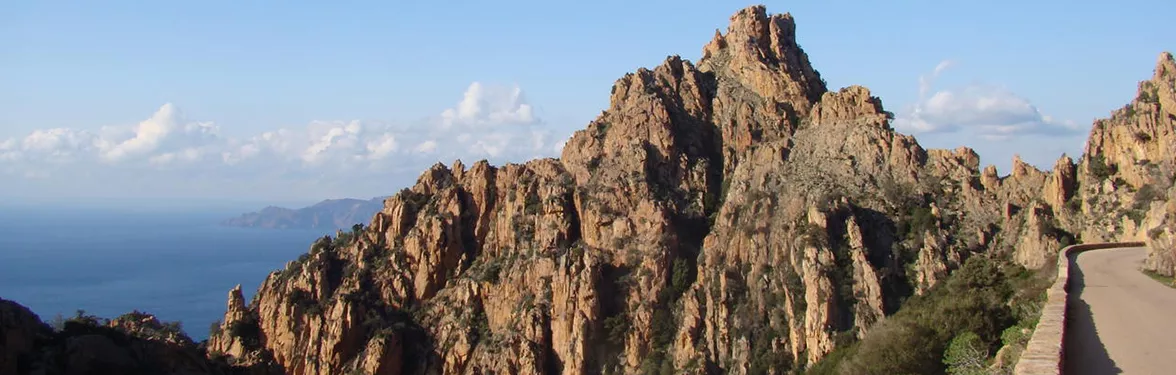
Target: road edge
{"x":1045,"y":351}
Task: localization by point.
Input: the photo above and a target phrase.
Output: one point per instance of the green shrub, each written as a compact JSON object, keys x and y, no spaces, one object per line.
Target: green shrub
{"x":681,"y":278}
{"x":1145,"y":196}
{"x":1136,"y":215}
{"x":81,"y":317}
{"x":175,"y":328}
{"x":491,"y":271}
{"x":976,"y":298}
{"x":1014,"y":335}
{"x":966,"y":354}
{"x":531,"y":204}
{"x":1098,"y":168}
{"x":248,"y":331}
{"x":307,"y":302}
{"x":1147,"y":96}
{"x":918,"y":221}
{"x":617,"y":327}
{"x":601,"y":129}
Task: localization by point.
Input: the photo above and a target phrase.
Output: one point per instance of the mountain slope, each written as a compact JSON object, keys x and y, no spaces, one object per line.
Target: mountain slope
{"x":712,"y":215}
{"x":730,"y":216}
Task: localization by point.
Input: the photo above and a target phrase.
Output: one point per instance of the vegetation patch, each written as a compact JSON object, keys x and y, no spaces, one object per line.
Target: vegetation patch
{"x":1142,"y":137}
{"x":248,"y":331}
{"x":1136,"y":215}
{"x":305,"y":301}
{"x":917,"y":220}
{"x":974,"y":307}
{"x":1168,"y":281}
{"x":1099,"y":169}
{"x":1155,"y":233}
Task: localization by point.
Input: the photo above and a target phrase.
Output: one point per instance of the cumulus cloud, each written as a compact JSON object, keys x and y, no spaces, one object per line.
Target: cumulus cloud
{"x":162,"y":138}
{"x":488,"y":106}
{"x":426,"y":147}
{"x":58,"y":145}
{"x":489,"y":122}
{"x":987,"y":111}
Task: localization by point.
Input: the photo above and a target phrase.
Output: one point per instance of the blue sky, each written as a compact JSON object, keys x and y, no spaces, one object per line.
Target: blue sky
{"x":353,"y":73}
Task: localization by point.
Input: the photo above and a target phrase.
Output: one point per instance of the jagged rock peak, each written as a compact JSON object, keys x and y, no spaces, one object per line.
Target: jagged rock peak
{"x":1162,"y":85}
{"x":853,"y":104}
{"x":1139,"y":135}
{"x":753,"y":31}
{"x":1021,"y":169}
{"x":1059,"y":188}
{"x":1165,"y":66}
{"x":756,"y":49}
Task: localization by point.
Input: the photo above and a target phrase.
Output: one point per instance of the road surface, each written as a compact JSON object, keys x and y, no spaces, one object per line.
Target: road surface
{"x":1119,"y":321}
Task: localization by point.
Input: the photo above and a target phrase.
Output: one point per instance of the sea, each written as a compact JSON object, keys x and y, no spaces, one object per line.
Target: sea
{"x":178,"y":264}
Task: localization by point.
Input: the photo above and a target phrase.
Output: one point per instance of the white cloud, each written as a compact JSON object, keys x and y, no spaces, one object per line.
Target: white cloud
{"x":986,"y":111}
{"x":489,"y":122}
{"x":54,"y":146}
{"x":426,"y":147}
{"x":381,"y":147}
{"x":484,"y":105}
{"x":926,"y":80}
{"x":163,"y":133}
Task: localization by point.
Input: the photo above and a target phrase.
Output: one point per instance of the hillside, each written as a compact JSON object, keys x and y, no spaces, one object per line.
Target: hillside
{"x":329,"y":214}
{"x":733,"y":215}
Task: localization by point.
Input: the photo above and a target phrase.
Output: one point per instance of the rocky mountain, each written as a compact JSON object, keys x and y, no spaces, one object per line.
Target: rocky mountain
{"x":715,"y":216}
{"x":329,"y":214}
{"x":733,"y":215}
{"x":1137,"y":146}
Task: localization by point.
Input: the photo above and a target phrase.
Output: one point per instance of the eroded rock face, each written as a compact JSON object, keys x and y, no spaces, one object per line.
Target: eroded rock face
{"x":1159,"y":231}
{"x":1060,"y":185}
{"x":728,"y":217}
{"x":1126,"y":174}
{"x":1140,"y":138}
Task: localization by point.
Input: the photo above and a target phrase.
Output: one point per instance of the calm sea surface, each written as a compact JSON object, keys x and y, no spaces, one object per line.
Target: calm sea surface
{"x":176,"y":265}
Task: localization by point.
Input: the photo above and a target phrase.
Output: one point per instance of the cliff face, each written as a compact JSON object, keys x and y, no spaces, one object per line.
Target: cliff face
{"x":1129,"y":174}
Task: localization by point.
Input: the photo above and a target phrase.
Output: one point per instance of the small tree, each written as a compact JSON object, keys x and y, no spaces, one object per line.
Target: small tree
{"x":966,"y":354}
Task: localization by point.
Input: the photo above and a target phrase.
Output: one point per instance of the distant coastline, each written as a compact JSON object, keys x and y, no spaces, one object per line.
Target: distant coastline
{"x":326,"y":215}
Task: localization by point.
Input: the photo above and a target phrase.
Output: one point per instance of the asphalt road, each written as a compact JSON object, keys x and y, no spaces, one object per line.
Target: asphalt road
{"x":1119,"y":321}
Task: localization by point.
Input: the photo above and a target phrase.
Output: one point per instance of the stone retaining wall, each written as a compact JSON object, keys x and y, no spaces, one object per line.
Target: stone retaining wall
{"x":1044,"y":353}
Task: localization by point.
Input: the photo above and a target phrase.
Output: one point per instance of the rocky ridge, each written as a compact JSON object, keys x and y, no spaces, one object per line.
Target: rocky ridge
{"x":715,"y":215}
{"x":730,"y":216}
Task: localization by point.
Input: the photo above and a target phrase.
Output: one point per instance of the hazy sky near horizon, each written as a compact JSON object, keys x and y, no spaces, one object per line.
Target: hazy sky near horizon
{"x":310,"y":100}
